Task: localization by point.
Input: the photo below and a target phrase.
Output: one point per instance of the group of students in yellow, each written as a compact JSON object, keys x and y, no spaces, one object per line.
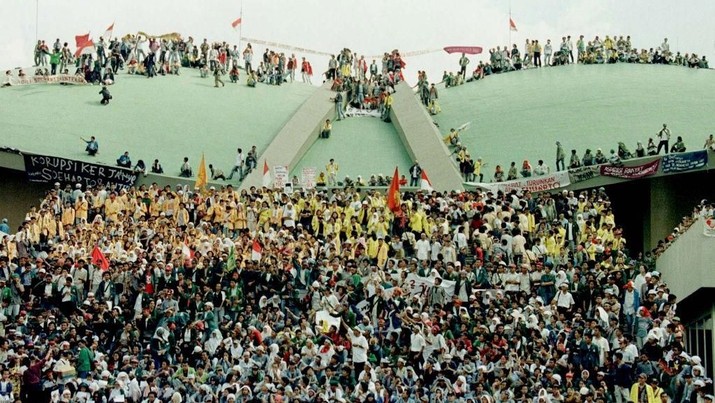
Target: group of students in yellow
{"x":342,"y":223}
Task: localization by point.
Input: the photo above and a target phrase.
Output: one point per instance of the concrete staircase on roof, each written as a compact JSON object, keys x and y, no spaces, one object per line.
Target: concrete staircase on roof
{"x":423,"y":140}
{"x":414,"y":125}
{"x":296,"y":136}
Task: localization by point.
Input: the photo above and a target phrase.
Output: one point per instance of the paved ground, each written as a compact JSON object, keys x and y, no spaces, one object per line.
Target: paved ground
{"x":521,"y":115}
{"x":166,"y":118}
{"x":361,"y":146}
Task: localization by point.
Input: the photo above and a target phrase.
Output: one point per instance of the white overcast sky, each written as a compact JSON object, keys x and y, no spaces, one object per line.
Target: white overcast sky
{"x":367,"y":26}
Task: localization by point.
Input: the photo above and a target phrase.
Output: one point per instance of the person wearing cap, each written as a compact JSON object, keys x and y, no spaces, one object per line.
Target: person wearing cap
{"x":641,"y":392}
{"x":564,"y":300}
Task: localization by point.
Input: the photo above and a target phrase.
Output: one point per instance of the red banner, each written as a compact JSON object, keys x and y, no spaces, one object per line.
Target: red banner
{"x":635,"y":172}
{"x":470,"y":50}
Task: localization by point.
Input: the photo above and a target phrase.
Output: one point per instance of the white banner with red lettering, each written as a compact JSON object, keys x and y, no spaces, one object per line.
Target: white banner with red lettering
{"x":56,"y":79}
{"x":532,"y":184}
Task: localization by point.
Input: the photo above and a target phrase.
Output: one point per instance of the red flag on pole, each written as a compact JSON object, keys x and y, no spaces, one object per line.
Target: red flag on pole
{"x":98,"y":259}
{"x":84,"y":44}
{"x":108,"y":32}
{"x":512,"y":25}
{"x":266,"y":175}
{"x":393,"y":194}
{"x":236,"y":22}
{"x":425,"y":183}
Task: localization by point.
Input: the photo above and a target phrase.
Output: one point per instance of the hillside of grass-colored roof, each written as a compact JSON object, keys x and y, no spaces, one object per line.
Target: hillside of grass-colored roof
{"x":520,"y":115}
{"x":165,"y":117}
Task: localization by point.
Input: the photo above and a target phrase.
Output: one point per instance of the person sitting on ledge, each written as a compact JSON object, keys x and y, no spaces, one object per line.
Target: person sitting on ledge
{"x":186,"y":169}
{"x":679,"y":146}
{"x":140,"y":168}
{"x":92,"y":146}
{"x":156,"y":167}
{"x":327,"y":127}
{"x":124,"y":161}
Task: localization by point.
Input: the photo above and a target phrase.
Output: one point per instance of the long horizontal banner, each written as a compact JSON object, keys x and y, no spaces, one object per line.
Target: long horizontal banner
{"x":685,"y":161}
{"x":584,"y":173}
{"x":56,"y":79}
{"x":47,"y":169}
{"x":532,"y":184}
{"x":638,"y":171}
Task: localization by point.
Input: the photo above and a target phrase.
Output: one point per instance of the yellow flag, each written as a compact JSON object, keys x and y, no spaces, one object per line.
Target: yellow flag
{"x":201,"y":179}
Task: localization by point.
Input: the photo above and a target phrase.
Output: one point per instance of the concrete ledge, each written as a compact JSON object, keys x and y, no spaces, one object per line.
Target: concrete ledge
{"x":297,"y":135}
{"x":423,"y":140}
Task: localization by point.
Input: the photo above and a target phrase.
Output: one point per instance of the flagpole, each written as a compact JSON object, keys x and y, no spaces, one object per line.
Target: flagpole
{"x":509,"y":27}
{"x":37,"y":20}
{"x":240,"y":27}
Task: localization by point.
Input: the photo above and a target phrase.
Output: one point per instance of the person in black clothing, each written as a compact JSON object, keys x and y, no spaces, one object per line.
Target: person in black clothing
{"x":106,"y":96}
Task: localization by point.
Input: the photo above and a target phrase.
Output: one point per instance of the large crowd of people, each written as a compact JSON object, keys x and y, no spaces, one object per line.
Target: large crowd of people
{"x":190,"y":295}
{"x":608,"y":50}
{"x":705,"y":210}
{"x":471,"y":169}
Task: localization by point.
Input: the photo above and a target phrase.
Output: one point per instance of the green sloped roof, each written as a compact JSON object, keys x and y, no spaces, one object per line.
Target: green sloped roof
{"x":520,"y":115}
{"x":165,"y":117}
{"x":361,"y":146}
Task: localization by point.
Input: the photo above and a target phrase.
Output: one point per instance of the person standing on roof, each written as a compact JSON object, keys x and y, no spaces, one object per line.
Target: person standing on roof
{"x":463,"y":62}
{"x":332,"y":169}
{"x":307,"y":71}
{"x":663,"y":138}
{"x":560,"y":157}
{"x":415,"y":174}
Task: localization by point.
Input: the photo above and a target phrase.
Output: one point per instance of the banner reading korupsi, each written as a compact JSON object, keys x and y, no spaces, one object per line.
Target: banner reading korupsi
{"x":635,"y":172}
{"x":532,"y":184}
{"x":685,"y":161}
{"x":48,"y":169}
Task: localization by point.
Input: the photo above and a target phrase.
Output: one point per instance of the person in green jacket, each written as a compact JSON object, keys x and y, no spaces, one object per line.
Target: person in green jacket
{"x":84,"y":359}
{"x":55,"y":59}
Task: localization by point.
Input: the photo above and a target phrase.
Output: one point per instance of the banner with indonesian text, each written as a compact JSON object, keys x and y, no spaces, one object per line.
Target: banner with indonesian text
{"x":532,"y":184}
{"x":635,"y":172}
{"x":56,"y":79}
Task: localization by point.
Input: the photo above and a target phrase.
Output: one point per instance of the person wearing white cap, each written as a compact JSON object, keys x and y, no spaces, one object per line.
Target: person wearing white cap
{"x":359,"y":347}
{"x":564,"y":300}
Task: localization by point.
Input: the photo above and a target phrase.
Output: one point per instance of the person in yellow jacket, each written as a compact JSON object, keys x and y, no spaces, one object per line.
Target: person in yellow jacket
{"x":372,"y":247}
{"x":641,"y":392}
{"x":81,"y":207}
{"x":382,"y":249}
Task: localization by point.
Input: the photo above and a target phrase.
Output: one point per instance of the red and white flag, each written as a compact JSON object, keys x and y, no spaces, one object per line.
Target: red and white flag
{"x":84,"y":45}
{"x":512,"y":25}
{"x":256,"y":251}
{"x":236,"y":22}
{"x":98,"y":259}
{"x":425,"y":184}
{"x":266,"y":175}
{"x":108,"y":33}
{"x":186,"y":252}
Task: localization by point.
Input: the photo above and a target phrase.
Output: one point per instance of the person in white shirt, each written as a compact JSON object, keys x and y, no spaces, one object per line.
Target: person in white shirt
{"x":423,"y":248}
{"x":564,"y":299}
{"x":238,"y":165}
{"x":512,"y":280}
{"x":436,"y":250}
{"x":289,"y":214}
{"x":417,"y":346}
{"x":359,"y":349}
{"x":541,"y":169}
{"x":459,"y":238}
{"x":547,"y":52}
